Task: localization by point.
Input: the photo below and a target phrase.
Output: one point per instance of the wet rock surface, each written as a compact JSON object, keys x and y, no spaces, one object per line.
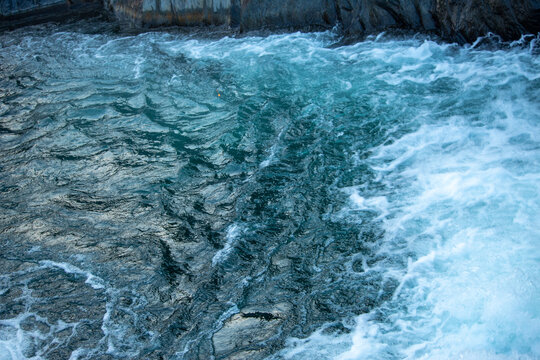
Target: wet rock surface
{"x":462,"y":21}
{"x":21,"y":6}
{"x":468,"y":20}
{"x":17,"y":13}
{"x":456,"y":20}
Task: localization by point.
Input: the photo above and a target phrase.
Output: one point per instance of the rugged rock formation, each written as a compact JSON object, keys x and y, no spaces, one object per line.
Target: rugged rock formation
{"x":16,"y":13}
{"x":360,"y":16}
{"x":461,"y":20}
{"x":467,"y":20}
{"x":8,"y":7}
{"x":245,"y":14}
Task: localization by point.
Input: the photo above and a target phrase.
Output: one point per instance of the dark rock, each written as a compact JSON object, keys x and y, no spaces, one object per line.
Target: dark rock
{"x":287,"y":14}
{"x":468,"y":20}
{"x":21,"y":6}
{"x":453,"y":19}
{"x":457,"y":20}
{"x":17,"y":13}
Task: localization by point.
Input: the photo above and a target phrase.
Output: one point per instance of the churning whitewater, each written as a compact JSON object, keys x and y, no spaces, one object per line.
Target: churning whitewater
{"x":292,"y":196}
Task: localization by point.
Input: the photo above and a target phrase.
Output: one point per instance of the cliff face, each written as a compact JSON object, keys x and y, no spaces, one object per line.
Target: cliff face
{"x":471,"y":19}
{"x":246,"y":14}
{"x":10,"y":7}
{"x":16,"y":13}
{"x":462,"y":20}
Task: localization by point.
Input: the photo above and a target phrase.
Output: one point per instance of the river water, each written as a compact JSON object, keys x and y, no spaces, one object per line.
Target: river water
{"x":167,"y":195}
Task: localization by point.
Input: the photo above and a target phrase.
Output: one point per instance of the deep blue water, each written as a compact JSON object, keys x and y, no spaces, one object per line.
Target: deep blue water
{"x":175,"y":196}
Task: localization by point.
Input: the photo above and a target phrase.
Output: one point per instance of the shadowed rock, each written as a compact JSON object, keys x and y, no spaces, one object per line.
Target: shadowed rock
{"x":461,"y":20}
{"x":17,"y":13}
{"x":467,"y":20}
{"x":456,"y":20}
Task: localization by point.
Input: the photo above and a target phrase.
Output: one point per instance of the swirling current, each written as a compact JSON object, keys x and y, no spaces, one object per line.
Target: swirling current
{"x":167,"y":195}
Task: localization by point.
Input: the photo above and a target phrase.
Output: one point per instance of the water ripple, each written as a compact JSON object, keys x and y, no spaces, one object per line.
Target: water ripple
{"x":162,"y":193}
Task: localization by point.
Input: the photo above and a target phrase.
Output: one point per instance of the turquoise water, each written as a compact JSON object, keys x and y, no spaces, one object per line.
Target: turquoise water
{"x":370,"y":201}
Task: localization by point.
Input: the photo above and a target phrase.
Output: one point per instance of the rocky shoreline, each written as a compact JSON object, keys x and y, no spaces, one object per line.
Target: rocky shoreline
{"x":18,"y":13}
{"x":462,"y":21}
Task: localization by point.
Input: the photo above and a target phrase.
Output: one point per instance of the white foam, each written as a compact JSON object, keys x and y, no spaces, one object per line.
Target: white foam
{"x":92,"y":280}
{"x":273,"y":151}
{"x":461,"y":204}
{"x":137,"y":68}
{"x":17,"y":343}
{"x":233,"y":232}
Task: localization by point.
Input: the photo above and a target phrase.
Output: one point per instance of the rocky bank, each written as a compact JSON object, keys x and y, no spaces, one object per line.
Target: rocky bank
{"x":455,"y":20}
{"x":461,"y":20}
{"x":17,"y":13}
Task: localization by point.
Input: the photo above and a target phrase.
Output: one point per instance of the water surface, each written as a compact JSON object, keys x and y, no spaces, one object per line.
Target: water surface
{"x":179,"y":196}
